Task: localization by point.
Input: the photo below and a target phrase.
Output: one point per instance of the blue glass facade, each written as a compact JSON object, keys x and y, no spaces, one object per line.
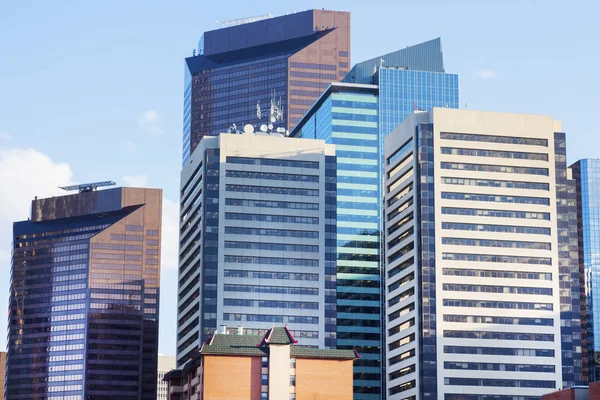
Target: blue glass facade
{"x":356,"y":118}
{"x":587,"y":177}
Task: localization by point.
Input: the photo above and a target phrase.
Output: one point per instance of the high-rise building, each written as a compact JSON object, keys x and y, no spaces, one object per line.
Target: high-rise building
{"x":232,"y":366}
{"x":165,"y":364}
{"x":249,"y":62}
{"x":257,"y":239}
{"x":586,"y":174}
{"x":481,"y":278}
{"x":356,"y":117}
{"x":84,"y":297}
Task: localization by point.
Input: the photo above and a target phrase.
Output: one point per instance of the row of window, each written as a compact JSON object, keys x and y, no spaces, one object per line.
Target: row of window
{"x":455,"y":287}
{"x":238,"y":230}
{"x":478,"y":212}
{"x":495,"y":168}
{"x":500,"y":383}
{"x":118,"y":267}
{"x":469,"y":137}
{"x":480,"y":319}
{"x":111,"y":256}
{"x":303,"y":305}
{"x":272,"y":190}
{"x":300,"y":262}
{"x":515,"y":244}
{"x":518,"y":155}
{"x":122,"y":247}
{"x":273,"y":176}
{"x":497,"y":258}
{"x":288,"y":319}
{"x":496,"y":183}
{"x":294,"y":205}
{"x":285,"y":219}
{"x":128,"y":238}
{"x":524,"y":336}
{"x":530,"y":230}
{"x":271,"y":246}
{"x":517,"y":305}
{"x":496,"y":198}
{"x":271,"y":289}
{"x":273,"y":162}
{"x":231,"y":273}
{"x":499,"y":351}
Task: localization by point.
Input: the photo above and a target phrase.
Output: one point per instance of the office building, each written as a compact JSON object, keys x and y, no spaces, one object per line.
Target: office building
{"x":270,"y":366}
{"x":356,"y":117}
{"x":165,"y":364}
{"x":257,"y":239}
{"x":481,"y":278}
{"x":84,"y":295}
{"x":586,"y":174}
{"x":290,"y":58}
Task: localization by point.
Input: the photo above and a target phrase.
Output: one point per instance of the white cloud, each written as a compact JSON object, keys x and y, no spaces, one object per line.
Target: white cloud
{"x":484,"y":74}
{"x":129,"y":146}
{"x":24,"y":174}
{"x":4,"y":136}
{"x":170,"y":235}
{"x":135,"y":180}
{"x":150,"y":121}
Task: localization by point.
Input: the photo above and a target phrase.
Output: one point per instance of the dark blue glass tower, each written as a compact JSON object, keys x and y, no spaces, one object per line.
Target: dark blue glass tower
{"x":356,"y":115}
{"x":586,"y":174}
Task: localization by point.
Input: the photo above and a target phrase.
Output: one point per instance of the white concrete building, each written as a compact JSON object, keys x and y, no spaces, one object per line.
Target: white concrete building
{"x":257,"y":239}
{"x":472,"y":301}
{"x":165,"y":364}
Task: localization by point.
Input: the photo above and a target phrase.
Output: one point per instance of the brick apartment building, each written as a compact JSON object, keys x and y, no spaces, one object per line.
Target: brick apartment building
{"x":252,"y":367}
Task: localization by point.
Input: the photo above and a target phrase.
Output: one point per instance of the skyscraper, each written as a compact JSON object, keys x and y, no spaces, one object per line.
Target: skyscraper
{"x":356,"y":117}
{"x":165,"y":364}
{"x":586,"y":174}
{"x":241,"y":67}
{"x":482,"y":297}
{"x":84,"y":297}
{"x":257,"y":239}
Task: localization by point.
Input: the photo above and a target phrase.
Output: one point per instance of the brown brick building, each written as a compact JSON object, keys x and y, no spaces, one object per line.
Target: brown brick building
{"x":250,"y":367}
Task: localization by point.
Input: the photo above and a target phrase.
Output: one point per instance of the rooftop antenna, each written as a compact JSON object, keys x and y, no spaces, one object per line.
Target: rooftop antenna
{"x":87,"y":187}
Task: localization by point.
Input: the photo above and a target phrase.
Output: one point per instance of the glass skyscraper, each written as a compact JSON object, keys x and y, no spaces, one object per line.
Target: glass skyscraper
{"x":290,"y":58}
{"x":586,"y":174}
{"x":83,"y":311}
{"x":356,"y":115}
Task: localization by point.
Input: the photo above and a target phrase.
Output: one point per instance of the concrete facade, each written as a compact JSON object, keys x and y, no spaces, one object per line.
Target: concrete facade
{"x":256,"y":228}
{"x":472,"y":254}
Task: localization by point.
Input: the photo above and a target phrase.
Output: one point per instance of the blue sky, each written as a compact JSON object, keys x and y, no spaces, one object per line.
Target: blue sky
{"x":93,"y":90}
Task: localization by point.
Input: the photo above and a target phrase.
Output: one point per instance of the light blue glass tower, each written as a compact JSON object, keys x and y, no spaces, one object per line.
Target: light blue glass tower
{"x":356,"y":115}
{"x":586,"y":173}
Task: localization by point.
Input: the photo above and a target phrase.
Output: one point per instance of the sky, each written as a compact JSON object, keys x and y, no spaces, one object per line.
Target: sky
{"x":93,"y":91}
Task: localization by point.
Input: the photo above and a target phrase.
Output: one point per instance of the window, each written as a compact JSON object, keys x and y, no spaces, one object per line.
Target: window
{"x":497,"y":258}
{"x":292,"y":363}
{"x":272,"y":190}
{"x":495,"y":168}
{"x":494,"y":139}
{"x":495,"y":153}
{"x":264,"y":379}
{"x":496,"y":198}
{"x":265,"y":362}
{"x":293,"y":380}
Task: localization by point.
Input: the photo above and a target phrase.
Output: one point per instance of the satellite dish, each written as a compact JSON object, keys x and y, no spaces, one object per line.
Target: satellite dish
{"x":281,"y":130}
{"x":248,"y":128}
{"x":273,"y":119}
{"x":270,"y":127}
{"x":263,"y":128}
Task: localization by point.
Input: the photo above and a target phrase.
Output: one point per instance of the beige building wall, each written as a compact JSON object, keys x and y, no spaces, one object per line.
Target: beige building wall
{"x":323,"y":379}
{"x":450,"y":286}
{"x":232,"y":378}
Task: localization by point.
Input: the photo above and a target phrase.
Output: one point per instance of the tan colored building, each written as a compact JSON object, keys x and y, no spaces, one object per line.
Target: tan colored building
{"x":251,"y":367}
{"x":2,"y":372}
